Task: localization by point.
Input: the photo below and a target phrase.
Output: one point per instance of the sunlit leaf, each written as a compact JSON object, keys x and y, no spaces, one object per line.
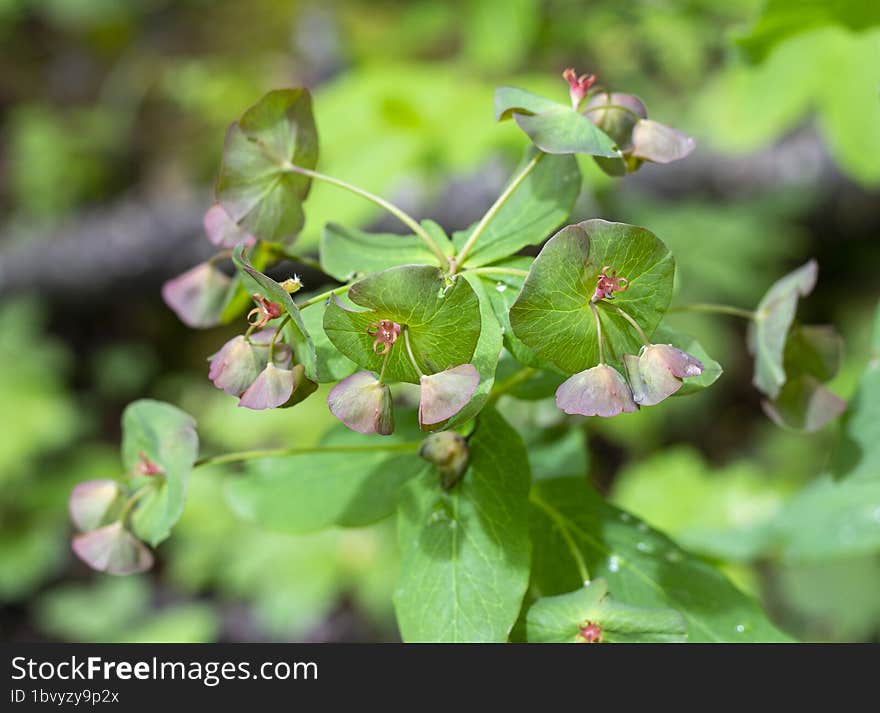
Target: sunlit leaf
{"x":552,"y":314}
{"x":256,"y":187}
{"x":564,"y":619}
{"x":466,"y":551}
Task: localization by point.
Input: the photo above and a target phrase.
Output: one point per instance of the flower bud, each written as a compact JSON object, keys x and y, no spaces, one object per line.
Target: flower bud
{"x":617,"y":114}
{"x":272,"y":388}
{"x":113,"y":549}
{"x":363,"y":404}
{"x":198,"y":295}
{"x":600,"y":391}
{"x":448,"y":451}
{"x":91,"y":502}
{"x":657,"y":372}
{"x":446,"y":393}
{"x":223,"y":230}
{"x":236,"y":366}
{"x":292,"y":285}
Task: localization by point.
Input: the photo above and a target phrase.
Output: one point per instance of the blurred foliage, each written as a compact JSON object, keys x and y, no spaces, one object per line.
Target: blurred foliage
{"x":101,"y":99}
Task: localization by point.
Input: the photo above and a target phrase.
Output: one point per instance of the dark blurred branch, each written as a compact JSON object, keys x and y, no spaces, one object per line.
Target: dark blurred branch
{"x":138,"y":242}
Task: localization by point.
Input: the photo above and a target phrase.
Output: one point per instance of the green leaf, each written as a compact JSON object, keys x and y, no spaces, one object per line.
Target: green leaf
{"x":331,"y":364}
{"x":768,"y":330}
{"x":782,"y":19}
{"x":563,"y":130}
{"x":857,"y":455}
{"x":711,"y":369}
{"x":828,"y":520}
{"x":512,"y":100}
{"x":167,"y":437}
{"x":552,"y":313}
{"x":256,"y":281}
{"x":313,"y":491}
{"x":346,"y":252}
{"x":485,"y":357}
{"x":443,"y":321}
{"x":538,"y":206}
{"x":717,"y":511}
{"x":465,"y":553}
{"x":559,"y":619}
{"x":256,"y":186}
{"x":577,"y":536}
{"x":552,"y":127}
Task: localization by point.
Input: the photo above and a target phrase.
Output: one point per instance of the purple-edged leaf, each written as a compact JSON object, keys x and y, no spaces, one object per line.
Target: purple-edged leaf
{"x":236,"y":366}
{"x":272,"y":388}
{"x":446,"y":393}
{"x":655,"y":142}
{"x":256,"y":186}
{"x":769,"y":329}
{"x":113,"y":549}
{"x":222,"y":230}
{"x":812,"y":356}
{"x":659,"y":372}
{"x":804,"y":404}
{"x":91,"y":502}
{"x":363,"y":404}
{"x":600,"y":391}
{"x":198,"y":296}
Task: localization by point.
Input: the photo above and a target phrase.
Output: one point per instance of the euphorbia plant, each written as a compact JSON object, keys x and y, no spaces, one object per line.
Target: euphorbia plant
{"x":490,"y":551}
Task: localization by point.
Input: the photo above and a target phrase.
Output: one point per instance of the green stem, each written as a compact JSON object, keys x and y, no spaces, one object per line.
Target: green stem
{"x":138,"y":494}
{"x":384,"y":364}
{"x":323,"y":296}
{"x":493,"y":211}
{"x":275,"y":336}
{"x":628,"y":318}
{"x":599,"y":336}
{"x":499,"y":271}
{"x":398,"y":213}
{"x":409,"y":352}
{"x":239,"y":456}
{"x":714,"y":309}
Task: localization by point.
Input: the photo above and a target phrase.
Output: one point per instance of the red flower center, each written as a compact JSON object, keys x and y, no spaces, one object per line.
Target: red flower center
{"x":384,"y":333}
{"x":608,"y":283}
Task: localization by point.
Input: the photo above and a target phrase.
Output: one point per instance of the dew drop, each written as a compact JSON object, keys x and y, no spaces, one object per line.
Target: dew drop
{"x":453,"y":524}
{"x":625,"y":517}
{"x":740,"y":628}
{"x":643,"y":547}
{"x":501,"y":287}
{"x":613,"y":563}
{"x":642,"y":527}
{"x":876,"y":514}
{"x":673,"y":556}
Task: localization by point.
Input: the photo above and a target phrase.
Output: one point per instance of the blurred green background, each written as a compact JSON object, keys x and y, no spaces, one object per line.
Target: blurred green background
{"x":112,"y":115}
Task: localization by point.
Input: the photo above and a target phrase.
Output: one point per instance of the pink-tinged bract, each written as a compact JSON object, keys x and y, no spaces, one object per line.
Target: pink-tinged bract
{"x":271,"y":389}
{"x":657,"y":143}
{"x":198,"y":295}
{"x":237,"y":365}
{"x":363,"y":404}
{"x":600,"y":391}
{"x":113,"y":549}
{"x":91,"y":501}
{"x":446,"y":393}
{"x":222,"y":230}
{"x":661,"y":367}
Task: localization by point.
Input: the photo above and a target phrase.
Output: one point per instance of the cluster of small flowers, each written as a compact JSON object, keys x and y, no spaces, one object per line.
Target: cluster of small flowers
{"x":257,"y":366}
{"x":363,"y":401}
